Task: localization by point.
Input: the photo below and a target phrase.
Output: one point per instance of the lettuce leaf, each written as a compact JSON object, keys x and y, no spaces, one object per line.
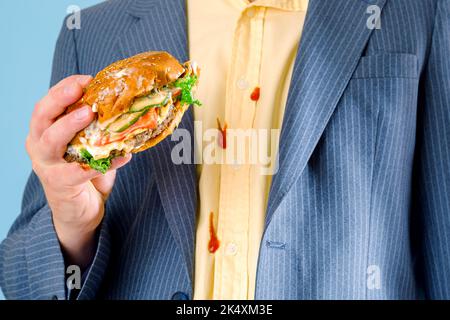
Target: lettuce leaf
{"x":186,"y":85}
{"x":101,"y":165}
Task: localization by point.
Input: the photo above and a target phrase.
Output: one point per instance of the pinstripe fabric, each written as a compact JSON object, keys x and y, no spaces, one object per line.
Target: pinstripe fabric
{"x":364,"y":179}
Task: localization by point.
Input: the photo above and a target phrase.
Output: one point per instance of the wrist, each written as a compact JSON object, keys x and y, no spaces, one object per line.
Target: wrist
{"x":77,"y":243}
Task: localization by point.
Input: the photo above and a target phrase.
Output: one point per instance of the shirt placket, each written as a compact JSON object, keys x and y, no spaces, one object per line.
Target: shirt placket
{"x":231,"y":269}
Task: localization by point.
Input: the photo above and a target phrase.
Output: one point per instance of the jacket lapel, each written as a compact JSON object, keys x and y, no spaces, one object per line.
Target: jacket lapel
{"x":334,"y":36}
{"x":150,"y":29}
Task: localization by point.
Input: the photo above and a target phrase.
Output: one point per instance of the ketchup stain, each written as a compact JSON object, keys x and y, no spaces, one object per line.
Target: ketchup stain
{"x":255,"y":94}
{"x":214,"y":243}
{"x":222,"y":134}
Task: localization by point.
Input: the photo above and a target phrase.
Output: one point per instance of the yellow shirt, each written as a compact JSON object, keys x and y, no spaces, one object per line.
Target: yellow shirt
{"x":240,"y":46}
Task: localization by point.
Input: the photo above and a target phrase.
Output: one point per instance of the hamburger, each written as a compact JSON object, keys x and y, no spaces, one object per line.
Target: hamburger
{"x":138,"y":102}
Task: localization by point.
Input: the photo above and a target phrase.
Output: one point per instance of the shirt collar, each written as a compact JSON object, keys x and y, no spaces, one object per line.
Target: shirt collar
{"x":288,"y":5}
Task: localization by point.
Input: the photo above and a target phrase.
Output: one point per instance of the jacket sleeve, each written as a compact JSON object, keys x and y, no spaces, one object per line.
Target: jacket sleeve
{"x":431,"y":205}
{"x":31,"y":261}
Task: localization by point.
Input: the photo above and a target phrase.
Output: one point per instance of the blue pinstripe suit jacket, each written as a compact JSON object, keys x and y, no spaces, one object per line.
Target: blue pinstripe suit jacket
{"x":360,"y":208}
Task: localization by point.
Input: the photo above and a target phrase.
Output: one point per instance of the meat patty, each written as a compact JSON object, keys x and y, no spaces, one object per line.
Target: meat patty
{"x":140,"y":139}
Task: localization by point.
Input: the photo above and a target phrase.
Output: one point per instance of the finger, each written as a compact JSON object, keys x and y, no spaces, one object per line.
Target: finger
{"x":82,"y":79}
{"x":69,"y":175}
{"x":62,"y":176}
{"x":55,"y":103}
{"x":73,"y":174}
{"x":118,"y":163}
{"x":105,"y":183}
{"x":54,"y":140}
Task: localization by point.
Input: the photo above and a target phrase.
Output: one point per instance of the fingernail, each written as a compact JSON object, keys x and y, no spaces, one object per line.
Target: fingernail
{"x":82,"y":113}
{"x":84,"y":79}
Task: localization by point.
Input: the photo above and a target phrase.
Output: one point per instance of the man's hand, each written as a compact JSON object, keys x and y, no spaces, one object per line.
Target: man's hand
{"x":76,"y":196}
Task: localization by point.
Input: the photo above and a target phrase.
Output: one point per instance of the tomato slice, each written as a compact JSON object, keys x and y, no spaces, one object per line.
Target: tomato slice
{"x":149,"y":121}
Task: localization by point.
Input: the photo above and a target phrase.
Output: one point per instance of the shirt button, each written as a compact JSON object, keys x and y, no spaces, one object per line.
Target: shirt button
{"x":236,"y":165}
{"x":242,"y":84}
{"x":231,"y":249}
{"x":180,"y":296}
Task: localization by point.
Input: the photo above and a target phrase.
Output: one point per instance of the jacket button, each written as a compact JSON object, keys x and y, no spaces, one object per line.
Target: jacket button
{"x":180,"y":296}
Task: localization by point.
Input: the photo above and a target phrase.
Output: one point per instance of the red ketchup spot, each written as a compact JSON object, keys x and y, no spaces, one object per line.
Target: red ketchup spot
{"x":255,"y":94}
{"x":214,"y":243}
{"x":222,"y":134}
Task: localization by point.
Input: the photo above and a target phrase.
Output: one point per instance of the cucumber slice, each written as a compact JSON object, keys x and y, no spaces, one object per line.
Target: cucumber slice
{"x":152,"y":101}
{"x":125,"y":121}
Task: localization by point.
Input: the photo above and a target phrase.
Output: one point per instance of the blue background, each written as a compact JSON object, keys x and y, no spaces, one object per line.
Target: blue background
{"x":28,"y":32}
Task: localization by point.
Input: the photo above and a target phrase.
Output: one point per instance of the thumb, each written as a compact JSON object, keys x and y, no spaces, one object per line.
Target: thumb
{"x":105,"y":183}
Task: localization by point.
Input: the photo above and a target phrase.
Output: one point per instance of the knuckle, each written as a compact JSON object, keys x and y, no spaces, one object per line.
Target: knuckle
{"x":63,"y":82}
{"x":70,"y":125}
{"x":71,"y":78}
{"x":53,"y":90}
{"x":41,"y":109}
{"x":56,"y":94}
{"x":45,"y":178}
{"x":28,"y":145}
{"x":36,"y":168}
{"x":59,"y":94}
{"x":48,"y":177}
{"x":47,"y":138}
{"x":38,"y":107}
{"x":69,"y":81}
